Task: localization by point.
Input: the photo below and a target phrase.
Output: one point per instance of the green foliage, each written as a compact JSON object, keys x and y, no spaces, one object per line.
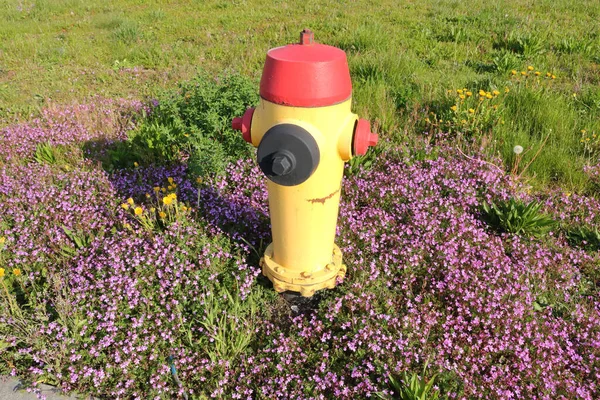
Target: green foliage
{"x":193,"y":122}
{"x":514,"y":216}
{"x":585,"y":237}
{"x":45,"y":153}
{"x":414,"y":386}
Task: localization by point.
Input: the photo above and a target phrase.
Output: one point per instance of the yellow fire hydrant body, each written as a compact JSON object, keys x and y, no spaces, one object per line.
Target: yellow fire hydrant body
{"x":304,"y":130}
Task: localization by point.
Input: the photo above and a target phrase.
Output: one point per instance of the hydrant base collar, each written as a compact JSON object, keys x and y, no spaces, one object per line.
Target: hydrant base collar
{"x":305,"y":282}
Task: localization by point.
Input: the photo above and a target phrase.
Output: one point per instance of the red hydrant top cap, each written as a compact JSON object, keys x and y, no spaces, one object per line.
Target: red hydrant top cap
{"x":306,"y":74}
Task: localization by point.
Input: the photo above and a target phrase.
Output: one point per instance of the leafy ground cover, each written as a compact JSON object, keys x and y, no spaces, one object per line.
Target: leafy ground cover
{"x":142,"y":281}
{"x":131,"y":229}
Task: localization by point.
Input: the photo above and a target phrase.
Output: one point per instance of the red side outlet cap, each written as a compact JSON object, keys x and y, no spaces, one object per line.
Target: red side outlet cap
{"x":363,"y":138}
{"x":243,"y":124}
{"x":306,"y":74}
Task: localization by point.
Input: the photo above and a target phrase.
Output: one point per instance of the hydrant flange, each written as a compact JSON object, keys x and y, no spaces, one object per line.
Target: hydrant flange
{"x":305,"y":282}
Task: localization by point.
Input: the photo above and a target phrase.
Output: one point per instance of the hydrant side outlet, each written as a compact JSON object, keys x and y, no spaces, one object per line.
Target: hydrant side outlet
{"x":288,"y":155}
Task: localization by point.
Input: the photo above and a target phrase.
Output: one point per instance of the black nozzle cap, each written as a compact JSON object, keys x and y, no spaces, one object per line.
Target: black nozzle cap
{"x":288,"y":155}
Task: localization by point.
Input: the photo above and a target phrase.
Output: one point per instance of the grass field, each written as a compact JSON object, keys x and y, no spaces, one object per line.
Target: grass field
{"x":133,"y":216}
{"x":404,"y":57}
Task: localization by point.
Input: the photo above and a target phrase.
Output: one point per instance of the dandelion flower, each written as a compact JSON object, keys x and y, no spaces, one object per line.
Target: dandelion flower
{"x":463,"y":121}
{"x":184,"y":208}
{"x":125,"y":206}
{"x":162,"y":214}
{"x":530,"y":68}
{"x":495,"y":92}
{"x":553,"y":77}
{"x":16,"y":271}
{"x":471,"y":111}
{"x":1,"y":272}
{"x":537,"y":73}
{"x":513,"y":72}
{"x":481,"y":98}
{"x":518,"y":149}
{"x":482,"y":92}
{"x":523,"y":73}
{"x":548,"y":74}
{"x":138,"y":211}
{"x":453,"y":108}
{"x":488,"y":95}
{"x":459,"y":91}
{"x":469,"y":94}
{"x":461,"y":96}
{"x":167,"y":200}
{"x":130,"y":201}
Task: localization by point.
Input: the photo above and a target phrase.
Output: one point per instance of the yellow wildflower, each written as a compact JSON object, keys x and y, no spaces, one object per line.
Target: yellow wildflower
{"x":548,"y":74}
{"x":453,"y":108}
{"x":523,"y":73}
{"x":138,"y":211}
{"x":170,"y":180}
{"x":459,"y":91}
{"x":167,"y":200}
{"x":461,"y":96}
{"x":583,"y":131}
{"x":553,"y":76}
{"x":481,"y":98}
{"x":481,"y":92}
{"x":2,"y":240}
{"x":488,"y":95}
{"x":471,"y":111}
{"x":198,"y":180}
{"x":469,"y":94}
{"x":537,"y":73}
{"x":530,"y":68}
{"x":513,"y":72}
{"x":162,"y":214}
{"x":506,"y":90}
{"x":1,"y":272}
{"x":169,"y":188}
{"x":156,"y":189}
{"x":127,"y":226}
{"x":147,"y":195}
{"x":173,"y":196}
{"x":16,"y":271}
{"x":125,"y":206}
{"x":152,"y":209}
{"x":184,"y":208}
{"x":135,"y":164}
{"x":130,"y":201}
{"x":463,"y":121}
{"x":163,"y":190}
{"x":495,"y":92}
{"x":495,"y":107}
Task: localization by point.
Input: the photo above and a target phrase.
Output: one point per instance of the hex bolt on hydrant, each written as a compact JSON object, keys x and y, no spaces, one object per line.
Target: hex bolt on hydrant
{"x":305,"y":131}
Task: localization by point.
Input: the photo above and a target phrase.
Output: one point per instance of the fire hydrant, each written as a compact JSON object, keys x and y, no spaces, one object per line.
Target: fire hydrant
{"x":304,"y":130}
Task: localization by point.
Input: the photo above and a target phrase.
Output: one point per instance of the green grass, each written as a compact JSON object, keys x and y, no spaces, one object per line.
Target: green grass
{"x":403,"y":58}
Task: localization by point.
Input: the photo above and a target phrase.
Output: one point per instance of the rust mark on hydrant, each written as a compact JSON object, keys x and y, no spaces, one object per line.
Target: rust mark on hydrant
{"x":322,"y":200}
